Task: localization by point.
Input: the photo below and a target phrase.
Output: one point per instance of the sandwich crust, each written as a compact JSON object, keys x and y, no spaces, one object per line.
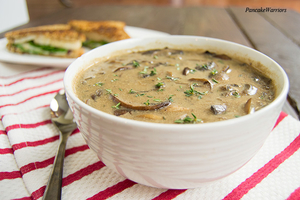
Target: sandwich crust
{"x":61,"y":32}
{"x":109,"y":31}
{"x":57,"y":35}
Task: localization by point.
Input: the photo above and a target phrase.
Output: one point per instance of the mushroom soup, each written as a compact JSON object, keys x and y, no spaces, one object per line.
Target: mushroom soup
{"x":174,"y":86}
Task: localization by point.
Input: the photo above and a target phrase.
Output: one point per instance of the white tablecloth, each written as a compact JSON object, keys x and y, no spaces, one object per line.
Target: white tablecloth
{"x":28,"y":143}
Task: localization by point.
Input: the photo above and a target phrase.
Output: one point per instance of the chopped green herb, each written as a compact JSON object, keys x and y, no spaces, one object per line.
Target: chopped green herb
{"x":131,"y":91}
{"x":157,"y":100}
{"x":138,"y":95}
{"x":158,"y":78}
{"x":117,"y":106}
{"x":145,"y":70}
{"x":150,"y":96}
{"x":116,"y":95}
{"x":201,"y":67}
{"x":170,"y":98}
{"x":135,"y":63}
{"x":188,"y":120}
{"x":214,"y":80}
{"x":153,"y":72}
{"x":192,"y":91}
{"x":214,"y":72}
{"x":236,"y":94}
{"x":192,"y":71}
{"x":159,"y":85}
{"x":120,"y":89}
{"x":114,"y":80}
{"x":172,"y":78}
{"x":99,"y":84}
{"x":147,"y":103}
{"x":108,"y":91}
{"x":155,"y":57}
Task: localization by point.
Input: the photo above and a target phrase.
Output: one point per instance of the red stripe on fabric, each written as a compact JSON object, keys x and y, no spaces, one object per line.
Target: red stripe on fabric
{"x":109,"y":192}
{"x":44,"y":106}
{"x":71,"y":178}
{"x":280,"y":118}
{"x":24,"y":198}
{"x":35,"y":143}
{"x":6,"y":95}
{"x":38,"y":165}
{"x":10,"y":175}
{"x":33,"y":77}
{"x":15,"y":104}
{"x":81,"y":173}
{"x":76,"y":149}
{"x":169,"y":194}
{"x":3,"y":132}
{"x":17,"y":126}
{"x":38,"y":142}
{"x":295,"y":195}
{"x":38,"y":193}
{"x":263,"y":172}
{"x":6,"y":151}
{"x":23,"y":73}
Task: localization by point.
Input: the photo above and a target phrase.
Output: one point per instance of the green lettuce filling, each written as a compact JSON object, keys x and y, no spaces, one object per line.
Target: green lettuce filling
{"x":39,"y":49}
{"x":93,"y":44}
{"x":47,"y":47}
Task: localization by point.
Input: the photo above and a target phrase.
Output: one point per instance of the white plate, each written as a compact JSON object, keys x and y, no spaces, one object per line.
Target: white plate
{"x":7,"y":56}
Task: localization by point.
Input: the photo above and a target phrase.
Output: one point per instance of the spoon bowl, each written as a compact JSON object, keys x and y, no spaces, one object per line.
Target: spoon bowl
{"x":62,"y":118}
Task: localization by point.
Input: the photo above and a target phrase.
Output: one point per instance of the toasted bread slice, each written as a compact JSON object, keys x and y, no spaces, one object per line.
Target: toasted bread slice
{"x":52,"y":40}
{"x":100,"y":32}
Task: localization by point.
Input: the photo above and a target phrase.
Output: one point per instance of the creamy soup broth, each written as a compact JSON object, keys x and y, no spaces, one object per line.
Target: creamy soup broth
{"x":174,"y":86}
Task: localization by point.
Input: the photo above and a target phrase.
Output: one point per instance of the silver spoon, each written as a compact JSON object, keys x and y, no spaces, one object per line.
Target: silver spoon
{"x":62,"y":117}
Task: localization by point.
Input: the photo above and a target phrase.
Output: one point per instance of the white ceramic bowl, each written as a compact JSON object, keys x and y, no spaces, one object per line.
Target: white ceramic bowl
{"x":173,"y":155}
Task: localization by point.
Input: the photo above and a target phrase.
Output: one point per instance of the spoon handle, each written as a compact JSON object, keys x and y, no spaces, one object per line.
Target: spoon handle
{"x":53,"y":189}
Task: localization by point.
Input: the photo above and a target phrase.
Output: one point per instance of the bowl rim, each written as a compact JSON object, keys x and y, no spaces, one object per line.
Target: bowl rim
{"x":67,"y":80}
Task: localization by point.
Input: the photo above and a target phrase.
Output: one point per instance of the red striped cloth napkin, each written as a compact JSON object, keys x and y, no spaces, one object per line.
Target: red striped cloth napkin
{"x":28,"y":143}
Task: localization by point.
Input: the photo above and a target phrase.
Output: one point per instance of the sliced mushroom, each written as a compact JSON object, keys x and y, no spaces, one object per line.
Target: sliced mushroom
{"x":98,"y":93}
{"x":169,"y":74}
{"x":249,"y":89}
{"x":230,"y":87}
{"x":151,"y":52}
{"x":207,"y":66}
{"x":121,"y":112}
{"x":218,"y":109}
{"x":173,"y":108}
{"x":123,"y":68}
{"x":222,"y":56}
{"x":221,"y":76}
{"x":211,"y":65}
{"x":204,"y":80}
{"x":175,"y":52}
{"x":143,"y":107}
{"x":248,"y":107}
{"x":186,"y":71}
{"x":226,"y":69}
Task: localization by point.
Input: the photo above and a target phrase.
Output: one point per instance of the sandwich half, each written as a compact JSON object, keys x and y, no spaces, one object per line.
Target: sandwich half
{"x":100,"y":32}
{"x":57,"y":40}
